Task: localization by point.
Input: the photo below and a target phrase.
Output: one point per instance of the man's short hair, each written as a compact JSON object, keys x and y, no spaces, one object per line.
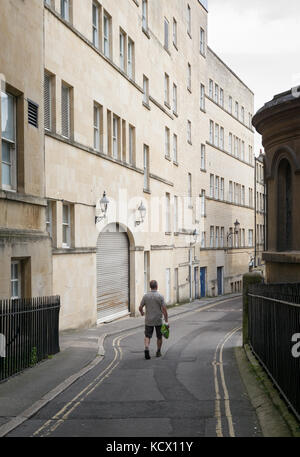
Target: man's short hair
{"x":153,"y":284}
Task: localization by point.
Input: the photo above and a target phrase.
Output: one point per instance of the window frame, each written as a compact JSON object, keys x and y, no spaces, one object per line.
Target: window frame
{"x":67,"y":224}
{"x":12,"y":145}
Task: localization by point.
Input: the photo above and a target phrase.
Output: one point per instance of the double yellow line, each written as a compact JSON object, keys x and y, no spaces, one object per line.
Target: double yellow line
{"x":218,"y":363}
{"x":52,"y":424}
{"x":59,"y":418}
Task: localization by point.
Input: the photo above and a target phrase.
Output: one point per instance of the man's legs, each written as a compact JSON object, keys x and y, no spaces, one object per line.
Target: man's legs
{"x":148,"y":335}
{"x":159,"y":340}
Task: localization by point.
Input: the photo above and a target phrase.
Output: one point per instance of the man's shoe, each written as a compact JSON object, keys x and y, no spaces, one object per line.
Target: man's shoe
{"x":158,"y":353}
{"x":147,"y":354}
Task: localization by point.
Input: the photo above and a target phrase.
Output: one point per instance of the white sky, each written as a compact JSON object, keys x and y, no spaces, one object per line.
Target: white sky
{"x":260,"y":41}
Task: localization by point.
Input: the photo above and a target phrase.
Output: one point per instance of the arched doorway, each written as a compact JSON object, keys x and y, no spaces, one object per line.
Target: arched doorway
{"x":112,"y":273}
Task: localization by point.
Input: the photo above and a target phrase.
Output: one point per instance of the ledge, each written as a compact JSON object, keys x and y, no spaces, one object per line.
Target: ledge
{"x":230,"y":114}
{"x":157,"y":178}
{"x":145,"y":31}
{"x":22,"y":198}
{"x":228,"y":153}
{"x":282,"y":257}
{"x":162,"y":247}
{"x":146,"y":105}
{"x":62,"y":251}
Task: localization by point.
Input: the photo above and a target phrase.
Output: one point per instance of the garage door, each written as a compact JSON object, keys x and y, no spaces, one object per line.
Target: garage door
{"x":112,"y":276}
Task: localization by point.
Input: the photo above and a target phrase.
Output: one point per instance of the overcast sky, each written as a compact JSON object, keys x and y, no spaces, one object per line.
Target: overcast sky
{"x":260,"y":41}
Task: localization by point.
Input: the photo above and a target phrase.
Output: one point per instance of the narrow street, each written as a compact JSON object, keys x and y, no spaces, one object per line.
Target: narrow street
{"x":193,"y":390}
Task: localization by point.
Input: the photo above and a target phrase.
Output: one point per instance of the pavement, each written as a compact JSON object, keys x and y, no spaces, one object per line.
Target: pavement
{"x":23,"y":396}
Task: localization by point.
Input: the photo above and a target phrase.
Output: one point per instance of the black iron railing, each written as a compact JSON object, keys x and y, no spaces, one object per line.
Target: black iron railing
{"x":29,"y":332}
{"x":274,"y":329}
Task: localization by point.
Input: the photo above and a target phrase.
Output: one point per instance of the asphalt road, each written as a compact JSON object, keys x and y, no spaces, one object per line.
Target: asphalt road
{"x":193,"y":390}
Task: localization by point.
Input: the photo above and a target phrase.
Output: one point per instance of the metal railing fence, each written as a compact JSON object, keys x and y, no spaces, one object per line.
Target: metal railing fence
{"x":274,"y":328}
{"x":29,"y":330}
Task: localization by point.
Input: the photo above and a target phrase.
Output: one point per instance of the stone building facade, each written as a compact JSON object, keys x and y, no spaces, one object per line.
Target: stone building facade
{"x":25,"y":246}
{"x":260,"y":211}
{"x":139,"y":107}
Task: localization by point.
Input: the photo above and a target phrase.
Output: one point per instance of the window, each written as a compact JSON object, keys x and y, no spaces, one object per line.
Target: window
{"x":203,"y":203}
{"x":122,"y":50}
{"x":189,"y":81}
{"x":203,"y":160}
{"x":190,"y":189}
{"x":250,"y":154}
{"x":217,"y":135}
{"x":250,"y":197}
{"x":211,"y":132}
{"x":175,"y":214}
{"x":202,"y":41}
{"x":65,"y":111}
{"x":167,"y":91}
{"x":216,"y":93}
{"x":202,"y":97}
{"x":115,"y":137}
{"x":98,"y":118}
{"x":222,"y":237}
{"x":243,"y":195}
{"x":250,"y":120}
{"x":66,"y":226}
{"x":145,"y":14}
{"x":175,"y":146}
{"x":217,"y":183}
{"x":166,"y":34}
{"x":146,"y":271}
{"x":236,"y":110}
{"x":211,"y":88}
{"x":65,"y":9}
{"x":230,"y":104}
{"x":131,"y":145}
{"x":189,"y":20}
{"x":250,"y":238}
{"x":175,"y":32}
{"x":217,"y":237}
{"x":222,"y":138}
{"x":106,"y":34}
{"x":230,"y":192}
{"x":145,"y":90}
{"x":243,"y":238}
{"x":15,"y":280}
{"x":174,"y":99}
{"x":49,"y":218}
{"x":167,"y":142}
{"x":222,"y":189}
{"x":222,"y":97}
{"x":212,"y":181}
{"x":203,"y":239}
{"x":189,"y":132}
{"x":47,"y":102}
{"x":211,"y":238}
{"x":130,"y":59}
{"x":168,"y":221}
{"x":243,"y":115}
{"x":146,"y":167}
{"x":96,"y":14}
{"x":243,"y":150}
{"x":230,"y":143}
{"x":8,"y":141}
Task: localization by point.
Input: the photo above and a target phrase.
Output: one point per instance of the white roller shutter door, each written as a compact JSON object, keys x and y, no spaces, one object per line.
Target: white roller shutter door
{"x":112,"y":276}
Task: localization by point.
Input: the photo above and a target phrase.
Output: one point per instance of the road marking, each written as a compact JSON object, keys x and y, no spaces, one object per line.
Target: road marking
{"x":59,"y":418}
{"x":219,"y":364}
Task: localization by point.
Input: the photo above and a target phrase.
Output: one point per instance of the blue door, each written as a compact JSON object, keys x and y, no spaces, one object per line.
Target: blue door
{"x":220,"y":280}
{"x":203,"y":281}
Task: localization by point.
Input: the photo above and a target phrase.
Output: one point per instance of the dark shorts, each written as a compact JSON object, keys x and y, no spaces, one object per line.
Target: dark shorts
{"x":149,"y":331}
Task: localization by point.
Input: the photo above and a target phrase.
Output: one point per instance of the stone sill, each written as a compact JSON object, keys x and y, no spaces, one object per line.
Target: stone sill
{"x":282,"y":257}
{"x":22,"y":198}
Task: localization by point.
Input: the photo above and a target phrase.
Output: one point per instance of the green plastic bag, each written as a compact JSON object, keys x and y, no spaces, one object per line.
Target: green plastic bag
{"x":165,"y":331}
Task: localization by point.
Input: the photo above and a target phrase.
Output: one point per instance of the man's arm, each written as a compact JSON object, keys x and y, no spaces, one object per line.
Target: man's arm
{"x":142,"y":306}
{"x":165,"y":313}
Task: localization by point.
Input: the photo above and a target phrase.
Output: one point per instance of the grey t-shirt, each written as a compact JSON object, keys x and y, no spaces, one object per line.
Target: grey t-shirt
{"x":153,"y":301}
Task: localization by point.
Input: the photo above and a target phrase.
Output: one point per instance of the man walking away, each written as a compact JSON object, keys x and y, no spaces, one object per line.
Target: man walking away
{"x":155,"y":307}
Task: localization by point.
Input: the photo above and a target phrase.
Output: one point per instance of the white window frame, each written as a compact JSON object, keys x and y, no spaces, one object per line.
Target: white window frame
{"x":115,"y":137}
{"x":65,"y":9}
{"x":145,"y":14}
{"x":189,"y":20}
{"x":130,"y":59}
{"x":211,"y":236}
{"x":122,"y":44}
{"x":211,"y":132}
{"x":211,"y":89}
{"x":189,"y":82}
{"x":166,"y":34}
{"x":202,"y":41}
{"x":167,"y":88}
{"x":212,"y":186}
{"x":146,"y":166}
{"x":202,"y":97}
{"x":131,"y":144}
{"x":174,"y":98}
{"x":15,"y":279}
{"x":174,"y":32}
{"x":146,"y":90}
{"x":106,"y":34}
{"x":217,"y":137}
{"x":222,"y":137}
{"x":203,"y":157}
{"x":95,"y":18}
{"x":97,"y":133}
{"x":67,"y":224}
{"x":189,"y":131}
{"x":167,"y":142}
{"x":222,"y":189}
{"x":11,"y":144}
{"x":175,"y":148}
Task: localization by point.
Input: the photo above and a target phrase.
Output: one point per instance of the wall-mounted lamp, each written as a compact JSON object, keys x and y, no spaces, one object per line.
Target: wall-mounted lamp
{"x":235,"y":232}
{"x":195,"y":235}
{"x":142,"y":210}
{"x":103,"y":207}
